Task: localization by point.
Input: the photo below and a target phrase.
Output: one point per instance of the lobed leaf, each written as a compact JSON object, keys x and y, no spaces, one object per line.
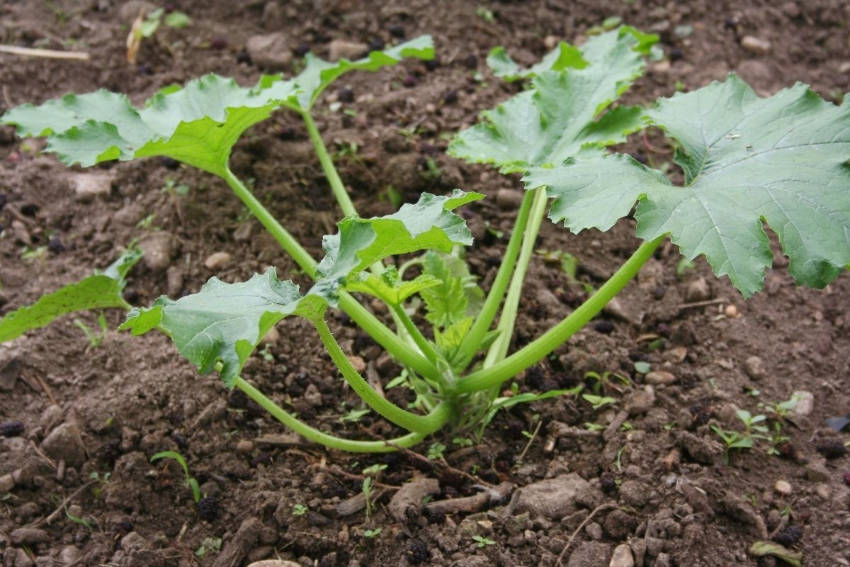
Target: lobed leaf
{"x":318,"y":73}
{"x":99,"y":291}
{"x":196,"y":124}
{"x":389,"y":288}
{"x":359,"y":243}
{"x":559,"y":116}
{"x":748,"y":161}
{"x":223,"y":322}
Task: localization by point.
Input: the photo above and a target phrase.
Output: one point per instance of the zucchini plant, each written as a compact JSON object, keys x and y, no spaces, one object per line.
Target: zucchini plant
{"x":749,"y":162}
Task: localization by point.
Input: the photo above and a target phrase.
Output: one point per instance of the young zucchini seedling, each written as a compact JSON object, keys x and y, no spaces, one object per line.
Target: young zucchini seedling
{"x":748,"y":162}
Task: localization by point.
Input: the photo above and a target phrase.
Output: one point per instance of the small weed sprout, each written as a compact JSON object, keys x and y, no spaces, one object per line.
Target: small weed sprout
{"x":190,"y":481}
{"x":299,"y":509}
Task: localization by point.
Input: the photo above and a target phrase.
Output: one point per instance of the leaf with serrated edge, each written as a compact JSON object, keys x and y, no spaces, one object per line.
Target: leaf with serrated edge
{"x":197,"y":124}
{"x":558,"y":117}
{"x":318,"y":73}
{"x":359,"y":243}
{"x":100,"y":291}
{"x":747,"y":160}
{"x":224,"y":322}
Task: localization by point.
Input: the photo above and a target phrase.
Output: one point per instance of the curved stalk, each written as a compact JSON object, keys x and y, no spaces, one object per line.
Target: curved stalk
{"x":407,"y":323}
{"x":482,"y":323}
{"x":402,"y":418}
{"x":499,"y":348}
{"x":555,"y":337}
{"x":331,"y":173}
{"x":440,"y":415}
{"x":366,"y":320}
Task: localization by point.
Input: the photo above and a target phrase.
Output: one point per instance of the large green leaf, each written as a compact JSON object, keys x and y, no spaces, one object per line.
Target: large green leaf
{"x":560,"y":115}
{"x":100,"y":291}
{"x":318,"y":73}
{"x":598,"y":50}
{"x":748,"y":160}
{"x":223,"y":322}
{"x":359,"y":243}
{"x":197,"y":124}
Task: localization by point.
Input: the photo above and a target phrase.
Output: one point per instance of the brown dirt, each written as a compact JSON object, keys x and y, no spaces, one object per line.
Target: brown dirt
{"x":671,"y":493}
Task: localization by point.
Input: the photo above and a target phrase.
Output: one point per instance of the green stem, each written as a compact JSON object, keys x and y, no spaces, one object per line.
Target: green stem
{"x":555,"y":337}
{"x":328,"y":167}
{"x":439,"y":415}
{"x":367,"y":321}
{"x":383,"y":335}
{"x":499,"y":348}
{"x":424,"y":344}
{"x":482,"y":323}
{"x":402,"y":418}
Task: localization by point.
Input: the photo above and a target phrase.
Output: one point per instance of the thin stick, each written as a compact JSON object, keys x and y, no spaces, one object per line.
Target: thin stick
{"x":440,"y":463}
{"x":61,"y":506}
{"x":45,"y":53}
{"x":705,"y":303}
{"x":579,"y":528}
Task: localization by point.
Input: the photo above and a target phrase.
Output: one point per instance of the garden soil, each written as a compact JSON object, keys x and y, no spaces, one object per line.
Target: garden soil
{"x":643,"y":481}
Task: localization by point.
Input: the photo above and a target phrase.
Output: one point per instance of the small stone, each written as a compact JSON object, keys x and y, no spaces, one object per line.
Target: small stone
{"x":312,"y":396}
{"x":640,"y":401}
{"x":782,"y":487}
{"x":661,"y":377}
{"x":245,"y":446}
{"x":218,"y":260}
{"x":594,"y":531}
{"x":663,"y":560}
{"x":634,"y":493}
{"x":756,"y":72}
{"x":816,"y":471}
{"x":29,"y":536}
{"x":754,"y":367}
{"x":87,"y":186}
{"x":554,"y":498}
{"x":18,"y":558}
{"x":698,"y":290}
{"x":65,"y":443}
{"x":805,"y":403}
{"x":243,"y":232}
{"x":791,"y":9}
{"x":10,"y":371}
{"x":661,"y":67}
{"x":128,"y":215}
{"x":731,"y":311}
{"x":344,"y":49}
{"x":590,"y":554}
{"x":699,"y":449}
{"x":269,"y":51}
{"x":174,"y":278}
{"x":157,"y":249}
{"x":358,"y":363}
{"x":844,"y":68}
{"x":509,"y":199}
{"x":51,"y":417}
{"x":551,"y":42}
{"x":622,"y":556}
{"x":70,"y":555}
{"x":131,"y":10}
{"x":755,"y":45}
{"x":822,"y":490}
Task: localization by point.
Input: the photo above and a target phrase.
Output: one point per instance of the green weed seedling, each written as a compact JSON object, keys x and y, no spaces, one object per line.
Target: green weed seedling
{"x":191,"y":482}
{"x":749,"y":163}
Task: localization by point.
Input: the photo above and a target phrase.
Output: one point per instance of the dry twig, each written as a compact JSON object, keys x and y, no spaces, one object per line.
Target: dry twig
{"x":44,"y":53}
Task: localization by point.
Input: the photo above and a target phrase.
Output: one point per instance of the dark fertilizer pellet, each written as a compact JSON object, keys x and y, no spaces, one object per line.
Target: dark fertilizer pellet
{"x":11,"y":428}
